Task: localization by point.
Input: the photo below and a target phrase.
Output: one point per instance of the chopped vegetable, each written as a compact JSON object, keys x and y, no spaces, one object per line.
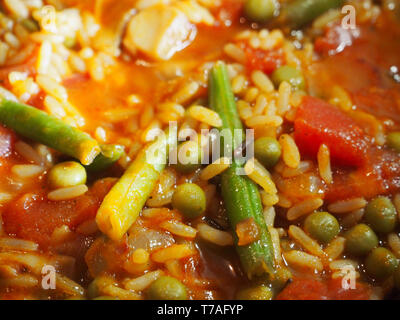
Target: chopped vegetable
{"x":159,"y":31}
{"x":260,"y":10}
{"x":318,"y":122}
{"x":301,"y":12}
{"x":267,"y":150}
{"x":190,"y":200}
{"x":108,"y":156}
{"x":41,"y":127}
{"x":241,"y":196}
{"x":381,"y":214}
{"x":167,"y":288}
{"x":126,"y":199}
{"x":66,"y":174}
{"x":381,"y":263}
{"x":290,"y":75}
{"x":360,"y":240}
{"x":322,"y":226}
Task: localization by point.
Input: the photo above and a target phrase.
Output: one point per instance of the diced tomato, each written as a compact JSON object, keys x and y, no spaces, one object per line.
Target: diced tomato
{"x":304,"y":289}
{"x":318,"y":122}
{"x":264,"y":60}
{"x":229,"y":12}
{"x":336,"y":291}
{"x":7,"y":138}
{"x":34,"y":217}
{"x":309,"y":289}
{"x":335,"y":39}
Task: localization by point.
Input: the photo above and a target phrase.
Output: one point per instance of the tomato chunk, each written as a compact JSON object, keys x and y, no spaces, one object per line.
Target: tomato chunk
{"x":304,"y":289}
{"x":309,"y":289}
{"x":34,"y":217}
{"x":318,"y":122}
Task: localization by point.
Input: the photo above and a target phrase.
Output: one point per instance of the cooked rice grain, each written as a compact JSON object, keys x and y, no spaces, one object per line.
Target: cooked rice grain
{"x":67,"y":193}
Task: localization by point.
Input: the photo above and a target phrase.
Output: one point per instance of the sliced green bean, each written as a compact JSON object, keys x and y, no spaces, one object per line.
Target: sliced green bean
{"x":241,"y":196}
{"x":109,"y":154}
{"x":37,"y":125}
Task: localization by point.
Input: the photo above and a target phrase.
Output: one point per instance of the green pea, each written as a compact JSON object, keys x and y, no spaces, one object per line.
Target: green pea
{"x":189,"y":157}
{"x":290,"y":75}
{"x":66,"y":174}
{"x":255,"y":293}
{"x":190,"y":200}
{"x":322,"y":226}
{"x":93,"y":290}
{"x":360,"y":240}
{"x":167,"y":288}
{"x":267,"y":150}
{"x":260,"y":10}
{"x":393,"y":140}
{"x":380,"y":263}
{"x":381,"y":215}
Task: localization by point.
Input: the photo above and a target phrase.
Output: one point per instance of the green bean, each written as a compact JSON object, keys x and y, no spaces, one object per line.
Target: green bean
{"x":37,"y":125}
{"x":109,"y":154}
{"x":301,"y":12}
{"x":126,"y":199}
{"x":260,"y":10}
{"x":241,"y":196}
{"x":189,"y":157}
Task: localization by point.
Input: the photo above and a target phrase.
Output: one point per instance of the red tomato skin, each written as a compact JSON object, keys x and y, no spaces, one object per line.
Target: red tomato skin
{"x":317,"y":122}
{"x":310,"y":289}
{"x":304,"y":289}
{"x":34,"y":217}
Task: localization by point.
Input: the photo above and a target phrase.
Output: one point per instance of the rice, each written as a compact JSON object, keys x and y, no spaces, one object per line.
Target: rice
{"x":299,"y":259}
{"x":66,"y":285}
{"x":335,"y":248}
{"x":51,"y":87}
{"x":284,"y":97}
{"x":17,"y":8}
{"x":235,"y":53}
{"x":176,"y":251}
{"x":324,"y":164}
{"x":251,"y":94}
{"x":303,"y":167}
{"x":352,"y":218}
{"x":305,"y":241}
{"x":345,"y":206}
{"x":18,"y":244}
{"x":256,"y":172}
{"x":61,"y":234}
{"x":261,"y":80}
{"x":261,"y":104}
{"x":276,"y":245}
{"x":218,"y":237}
{"x":67,"y":193}
{"x":205,"y":115}
{"x":284,"y":201}
{"x":179,"y":229}
{"x":244,"y":109}
{"x":186,"y":93}
{"x":394,"y":243}
{"x":44,"y":57}
{"x":20,"y":281}
{"x":302,"y":208}
{"x":239,"y":84}
{"x":343,"y":263}
{"x":269,"y":216}
{"x":261,"y":120}
{"x":142,"y":282}
{"x":215,"y":168}
{"x":26,"y":151}
{"x":174,"y":268}
{"x":54,"y":107}
{"x":27,"y":170}
{"x":290,"y":152}
{"x":269,"y":199}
